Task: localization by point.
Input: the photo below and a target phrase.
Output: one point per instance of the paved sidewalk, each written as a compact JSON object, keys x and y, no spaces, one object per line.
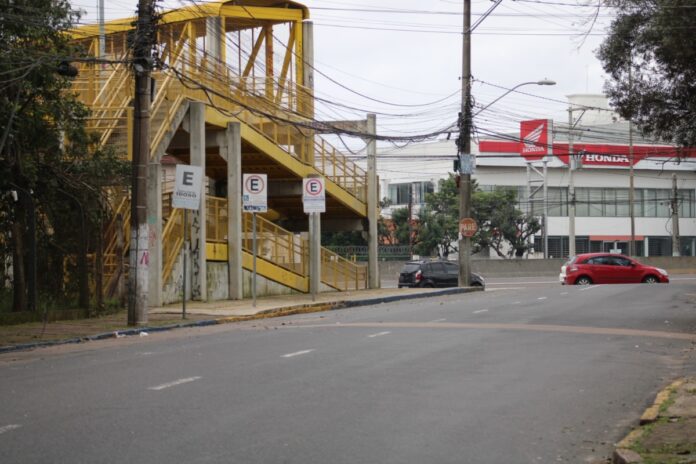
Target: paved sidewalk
{"x":36,"y":334}
{"x":667,"y":434}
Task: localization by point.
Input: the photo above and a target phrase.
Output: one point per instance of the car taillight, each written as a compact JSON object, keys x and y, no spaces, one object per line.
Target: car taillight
{"x":419,"y":276}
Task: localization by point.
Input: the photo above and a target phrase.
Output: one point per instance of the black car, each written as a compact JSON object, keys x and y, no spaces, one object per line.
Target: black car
{"x":434,"y":274}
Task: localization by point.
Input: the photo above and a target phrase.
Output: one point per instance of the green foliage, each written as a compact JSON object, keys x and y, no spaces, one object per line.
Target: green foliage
{"x":46,"y":156}
{"x":656,"y":41}
{"x":501,"y":226}
{"x":401,"y":229}
{"x":345,"y":238}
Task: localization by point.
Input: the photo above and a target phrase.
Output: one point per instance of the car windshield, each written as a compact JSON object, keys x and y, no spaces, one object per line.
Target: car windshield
{"x":410,"y":267}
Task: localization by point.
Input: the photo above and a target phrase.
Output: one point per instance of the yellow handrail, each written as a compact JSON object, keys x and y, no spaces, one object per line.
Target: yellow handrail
{"x":172,"y":241}
{"x":340,"y":273}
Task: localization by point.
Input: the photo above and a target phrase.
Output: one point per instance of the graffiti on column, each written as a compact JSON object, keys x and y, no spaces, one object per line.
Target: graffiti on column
{"x":196,"y":249}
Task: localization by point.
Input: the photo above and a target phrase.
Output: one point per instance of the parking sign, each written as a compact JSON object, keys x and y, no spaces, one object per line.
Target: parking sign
{"x":313,"y":195}
{"x":255,"y":193}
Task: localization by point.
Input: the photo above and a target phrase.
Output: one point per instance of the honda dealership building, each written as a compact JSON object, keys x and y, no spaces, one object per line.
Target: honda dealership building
{"x":537,"y":160}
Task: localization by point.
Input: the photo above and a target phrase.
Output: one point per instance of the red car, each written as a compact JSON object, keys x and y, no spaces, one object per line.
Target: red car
{"x":604,"y":268}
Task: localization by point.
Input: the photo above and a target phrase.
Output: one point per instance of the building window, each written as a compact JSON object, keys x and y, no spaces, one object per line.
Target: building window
{"x":399,"y":193}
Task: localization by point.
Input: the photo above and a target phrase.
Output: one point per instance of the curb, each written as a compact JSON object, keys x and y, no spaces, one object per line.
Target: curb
{"x":622,"y":453}
{"x":264,"y":314}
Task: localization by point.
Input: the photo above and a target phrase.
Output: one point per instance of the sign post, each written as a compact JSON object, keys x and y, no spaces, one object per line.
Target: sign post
{"x":187,"y":195}
{"x":467,"y":227}
{"x":314,"y":203}
{"x":254,"y":200}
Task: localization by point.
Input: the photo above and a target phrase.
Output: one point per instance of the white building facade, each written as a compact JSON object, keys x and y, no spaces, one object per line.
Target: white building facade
{"x":602,"y":221}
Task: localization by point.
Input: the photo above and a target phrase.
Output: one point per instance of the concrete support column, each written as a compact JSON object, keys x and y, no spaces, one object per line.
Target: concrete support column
{"x":372,"y":205}
{"x":314,"y":253}
{"x":231,"y":150}
{"x":213,"y":42}
{"x":307,"y":97}
{"x":154,"y":220}
{"x":199,"y":268}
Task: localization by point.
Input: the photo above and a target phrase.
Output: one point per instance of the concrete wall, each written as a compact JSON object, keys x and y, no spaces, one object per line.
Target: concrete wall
{"x":389,"y":270}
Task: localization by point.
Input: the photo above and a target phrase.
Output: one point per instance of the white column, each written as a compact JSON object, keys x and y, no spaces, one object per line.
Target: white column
{"x":232,"y":150}
{"x":199,"y":270}
{"x":372,"y":205}
{"x":154,"y":220}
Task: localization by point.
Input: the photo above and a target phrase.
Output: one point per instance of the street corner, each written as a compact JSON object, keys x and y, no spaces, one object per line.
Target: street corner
{"x":667,"y":430}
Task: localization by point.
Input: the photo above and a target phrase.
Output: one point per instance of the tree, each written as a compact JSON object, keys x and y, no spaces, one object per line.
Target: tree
{"x":502,"y":227}
{"x":650,"y":54}
{"x":46,"y":156}
{"x":439,"y":219}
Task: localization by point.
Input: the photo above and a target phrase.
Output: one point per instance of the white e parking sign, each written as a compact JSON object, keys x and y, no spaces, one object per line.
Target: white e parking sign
{"x":254,"y":193}
{"x":313,"y":195}
{"x":187,"y":189}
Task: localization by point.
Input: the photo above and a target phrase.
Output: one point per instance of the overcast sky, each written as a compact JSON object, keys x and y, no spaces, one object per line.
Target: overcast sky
{"x":410,"y":53}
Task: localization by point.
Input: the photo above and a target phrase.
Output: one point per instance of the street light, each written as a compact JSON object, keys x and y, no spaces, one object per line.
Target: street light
{"x":464,"y":149}
{"x":539,"y":82}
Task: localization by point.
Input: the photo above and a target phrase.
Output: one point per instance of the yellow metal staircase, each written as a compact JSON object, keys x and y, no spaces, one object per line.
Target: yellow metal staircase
{"x":272,"y":112}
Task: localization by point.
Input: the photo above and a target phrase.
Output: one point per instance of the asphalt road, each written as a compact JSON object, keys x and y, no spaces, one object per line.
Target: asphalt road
{"x":522,"y":373}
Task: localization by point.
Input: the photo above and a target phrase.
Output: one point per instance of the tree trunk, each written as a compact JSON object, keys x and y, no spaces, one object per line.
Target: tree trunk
{"x":19,"y":284}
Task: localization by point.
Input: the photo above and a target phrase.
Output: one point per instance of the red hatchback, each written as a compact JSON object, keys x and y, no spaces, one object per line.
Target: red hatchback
{"x":603,"y":268}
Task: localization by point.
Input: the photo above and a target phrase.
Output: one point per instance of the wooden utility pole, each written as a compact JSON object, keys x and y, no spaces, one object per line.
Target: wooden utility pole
{"x":139,"y":244}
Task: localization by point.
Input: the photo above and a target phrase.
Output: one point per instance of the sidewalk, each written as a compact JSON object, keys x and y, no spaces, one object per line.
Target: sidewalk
{"x":667,"y":434}
{"x":37,"y":334}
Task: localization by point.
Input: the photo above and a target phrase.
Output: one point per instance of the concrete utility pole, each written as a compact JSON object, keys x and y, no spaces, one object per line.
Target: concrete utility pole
{"x":464,"y":147}
{"x":675,"y":217}
{"x":372,"y":205}
{"x":140,"y":233}
{"x":571,"y":187}
{"x":631,"y":161}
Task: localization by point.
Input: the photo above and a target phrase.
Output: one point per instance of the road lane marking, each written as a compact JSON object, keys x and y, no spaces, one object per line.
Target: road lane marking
{"x":541,"y":298}
{"x":564,"y":293}
{"x":516,"y":302}
{"x":481,"y":311}
{"x":522,"y":283}
{"x":378,"y":334}
{"x":7,"y":428}
{"x":296,"y":353}
{"x":590,"y":287}
{"x":517,"y":327}
{"x":438,"y":320}
{"x":174,"y":383}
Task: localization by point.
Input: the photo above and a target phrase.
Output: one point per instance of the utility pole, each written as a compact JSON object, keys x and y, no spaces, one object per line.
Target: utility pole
{"x":410,"y":222}
{"x":139,"y":244}
{"x":571,"y":187}
{"x":631,"y":210}
{"x":675,"y":217}
{"x":464,"y":148}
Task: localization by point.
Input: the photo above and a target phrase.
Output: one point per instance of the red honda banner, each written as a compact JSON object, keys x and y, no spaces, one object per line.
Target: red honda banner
{"x":536,"y":140}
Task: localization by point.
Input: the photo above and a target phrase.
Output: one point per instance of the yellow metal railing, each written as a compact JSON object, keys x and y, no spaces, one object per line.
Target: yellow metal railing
{"x":121,"y":218}
{"x":172,"y":241}
{"x":216,"y":222}
{"x":275,"y":244}
{"x":340,"y":273}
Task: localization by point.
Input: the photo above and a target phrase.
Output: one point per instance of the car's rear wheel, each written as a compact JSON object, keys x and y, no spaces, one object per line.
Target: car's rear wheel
{"x":651,"y":279}
{"x":583,"y":280}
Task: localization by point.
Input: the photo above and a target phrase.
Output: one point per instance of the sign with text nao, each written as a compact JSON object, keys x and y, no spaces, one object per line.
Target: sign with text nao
{"x":536,"y":140}
{"x":255,"y":193}
{"x":313,"y":195}
{"x":187,"y":188}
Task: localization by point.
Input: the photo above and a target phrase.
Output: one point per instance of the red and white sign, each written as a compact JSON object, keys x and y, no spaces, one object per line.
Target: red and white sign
{"x":467,"y":227}
{"x":536,"y":141}
{"x":313,"y":195}
{"x":254,"y":193}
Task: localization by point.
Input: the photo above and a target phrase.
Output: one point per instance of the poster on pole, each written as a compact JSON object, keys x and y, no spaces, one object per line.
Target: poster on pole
{"x":187,"y":187}
{"x":255,"y":193}
{"x":313,"y":195}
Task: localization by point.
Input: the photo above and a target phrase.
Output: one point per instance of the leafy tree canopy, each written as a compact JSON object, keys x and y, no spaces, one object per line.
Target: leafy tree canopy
{"x":650,"y":55}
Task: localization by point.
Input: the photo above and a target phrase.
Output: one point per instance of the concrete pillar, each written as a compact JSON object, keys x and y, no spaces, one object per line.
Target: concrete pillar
{"x":199,"y":269}
{"x":307,"y":103}
{"x":154,"y":220}
{"x":372,"y":206}
{"x":231,"y":150}
{"x":213,"y":44}
{"x":314,"y":253}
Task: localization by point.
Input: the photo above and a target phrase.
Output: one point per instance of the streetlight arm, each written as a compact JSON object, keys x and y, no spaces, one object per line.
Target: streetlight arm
{"x":541,"y":82}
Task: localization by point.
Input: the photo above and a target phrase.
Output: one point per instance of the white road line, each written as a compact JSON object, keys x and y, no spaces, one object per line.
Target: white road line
{"x":541,"y":298}
{"x":516,"y":302}
{"x":379,"y":334}
{"x":590,"y":287}
{"x":523,"y":283}
{"x":437,"y":320}
{"x":174,"y":383}
{"x":564,"y":293}
{"x":7,"y":428}
{"x":296,"y":353}
{"x":481,"y":311}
